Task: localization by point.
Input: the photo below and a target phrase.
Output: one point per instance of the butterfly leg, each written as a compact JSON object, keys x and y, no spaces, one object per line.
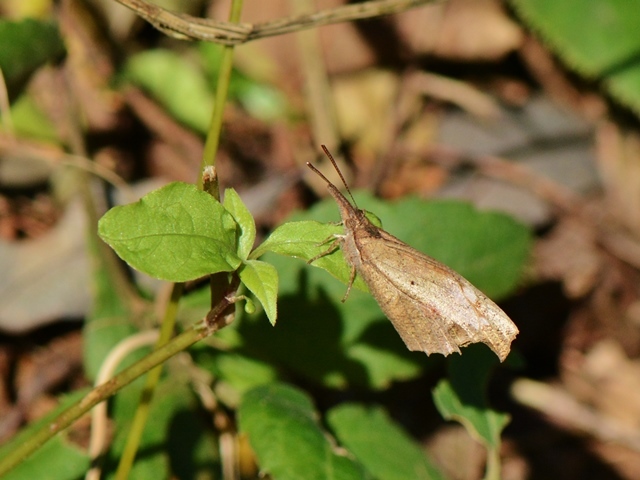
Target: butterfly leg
{"x":335,"y":244}
{"x":352,"y":279}
{"x":331,"y":238}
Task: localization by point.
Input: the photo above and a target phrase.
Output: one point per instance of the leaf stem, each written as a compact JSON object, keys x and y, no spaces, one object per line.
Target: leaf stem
{"x":493,"y":463}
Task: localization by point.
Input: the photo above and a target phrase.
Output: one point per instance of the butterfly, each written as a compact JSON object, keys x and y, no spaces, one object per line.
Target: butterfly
{"x":432,"y":307}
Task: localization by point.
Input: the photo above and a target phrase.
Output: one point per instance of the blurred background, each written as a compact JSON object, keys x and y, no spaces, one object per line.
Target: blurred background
{"x":523,"y":109}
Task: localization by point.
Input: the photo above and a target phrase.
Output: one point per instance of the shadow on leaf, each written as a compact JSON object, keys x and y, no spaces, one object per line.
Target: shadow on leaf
{"x":313,"y":339}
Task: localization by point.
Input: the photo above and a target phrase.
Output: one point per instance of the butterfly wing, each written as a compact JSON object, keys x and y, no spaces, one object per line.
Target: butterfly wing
{"x":432,"y":307}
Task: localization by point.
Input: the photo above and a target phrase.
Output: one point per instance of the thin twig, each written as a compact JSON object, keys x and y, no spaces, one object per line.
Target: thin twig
{"x":318,"y":96}
{"x":55,"y":156}
{"x":187,"y":27}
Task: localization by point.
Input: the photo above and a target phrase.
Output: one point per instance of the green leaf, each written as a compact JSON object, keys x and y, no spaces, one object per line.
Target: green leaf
{"x":601,"y":41}
{"x":261,"y":279}
{"x":381,"y":445}
{"x":283,"y":430}
{"x":26,"y":45}
{"x":306,"y":240}
{"x":244,"y":372}
{"x":602,"y":36}
{"x":462,"y":398}
{"x":108,"y":323}
{"x":175,"y":233}
{"x":481,"y":422}
{"x":465,"y":395}
{"x":55,"y":460}
{"x":175,"y":82}
{"x":30,"y":121}
{"x":234,"y":205}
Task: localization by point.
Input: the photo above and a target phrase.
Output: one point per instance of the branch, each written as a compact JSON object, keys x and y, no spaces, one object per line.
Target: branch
{"x":187,"y":27}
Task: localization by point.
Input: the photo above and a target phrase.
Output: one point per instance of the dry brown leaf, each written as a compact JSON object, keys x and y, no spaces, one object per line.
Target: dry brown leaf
{"x":477,"y":30}
{"x":31,"y":290}
{"x":578,"y":271}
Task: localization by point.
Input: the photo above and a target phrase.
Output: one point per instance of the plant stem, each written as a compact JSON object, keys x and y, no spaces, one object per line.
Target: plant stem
{"x":142,"y":411}
{"x":493,"y":464}
{"x":100,"y":393}
{"x":222,"y":89}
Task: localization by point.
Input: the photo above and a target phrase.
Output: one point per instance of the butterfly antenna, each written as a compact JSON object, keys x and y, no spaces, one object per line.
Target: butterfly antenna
{"x":335,"y":166}
{"x":310,"y":165}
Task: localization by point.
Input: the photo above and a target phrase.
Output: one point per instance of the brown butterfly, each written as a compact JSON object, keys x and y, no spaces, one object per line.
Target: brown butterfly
{"x":433,"y":308}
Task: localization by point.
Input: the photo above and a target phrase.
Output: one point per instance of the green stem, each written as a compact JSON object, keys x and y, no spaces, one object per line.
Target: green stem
{"x":493,"y":464}
{"x":142,"y":411}
{"x":100,"y":393}
{"x":222,"y":89}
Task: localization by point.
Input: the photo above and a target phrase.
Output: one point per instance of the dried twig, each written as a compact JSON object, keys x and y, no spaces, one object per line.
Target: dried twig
{"x":559,"y":405}
{"x":187,"y":27}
